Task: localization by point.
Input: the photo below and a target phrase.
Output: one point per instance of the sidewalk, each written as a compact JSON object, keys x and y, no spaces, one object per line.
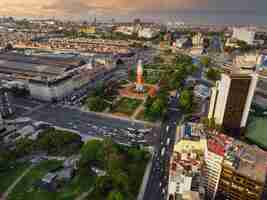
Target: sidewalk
{"x":112,"y":116}
{"x":145,"y":179}
{"x":85,"y":194}
{"x":138,"y":110}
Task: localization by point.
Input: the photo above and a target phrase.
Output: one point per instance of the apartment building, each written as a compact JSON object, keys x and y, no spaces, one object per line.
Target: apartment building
{"x":243,"y":173}
{"x":214,"y":155}
{"x":186,"y":164}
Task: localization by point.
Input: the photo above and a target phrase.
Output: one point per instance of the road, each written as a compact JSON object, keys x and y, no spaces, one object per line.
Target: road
{"x":89,"y":124}
{"x":158,"y":181}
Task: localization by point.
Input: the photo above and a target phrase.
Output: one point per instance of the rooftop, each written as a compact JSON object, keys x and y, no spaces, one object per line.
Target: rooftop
{"x":219,"y":144}
{"x":247,"y":160}
{"x":13,"y":63}
{"x":242,"y":65}
{"x":191,"y":131}
{"x":184,"y":170}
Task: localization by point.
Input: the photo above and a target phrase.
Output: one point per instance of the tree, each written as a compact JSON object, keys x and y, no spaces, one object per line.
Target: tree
{"x":9,"y":47}
{"x":184,"y":60}
{"x":111,"y":159}
{"x":104,"y":184}
{"x":7,"y":158}
{"x":158,"y":59}
{"x":177,"y":78}
{"x":58,"y":142}
{"x":96,"y":103}
{"x":186,"y":100}
{"x":205,"y":61}
{"x":92,"y":151}
{"x":115,"y":195}
{"x":99,"y":90}
{"x":24,"y":147}
{"x":153,"y":108}
{"x":213,"y":74}
{"x":156,"y":109}
{"x":244,"y":47}
{"x":211,"y":124}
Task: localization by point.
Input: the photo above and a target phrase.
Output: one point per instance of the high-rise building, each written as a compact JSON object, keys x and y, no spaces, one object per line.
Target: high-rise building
{"x":231,"y":100}
{"x":243,"y":174}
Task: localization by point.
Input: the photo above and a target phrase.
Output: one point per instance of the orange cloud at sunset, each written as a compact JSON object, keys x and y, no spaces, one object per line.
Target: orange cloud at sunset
{"x":97,"y":7}
{"x":72,"y":8}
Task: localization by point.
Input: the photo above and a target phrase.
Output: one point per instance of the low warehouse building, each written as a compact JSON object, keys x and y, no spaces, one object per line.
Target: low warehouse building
{"x":49,"y":77}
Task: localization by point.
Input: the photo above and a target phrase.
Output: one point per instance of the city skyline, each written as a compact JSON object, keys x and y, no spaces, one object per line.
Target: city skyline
{"x":193,"y":11}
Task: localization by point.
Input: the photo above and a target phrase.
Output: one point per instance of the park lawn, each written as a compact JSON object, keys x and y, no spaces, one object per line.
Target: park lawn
{"x":256,"y":131}
{"x":10,"y":175}
{"x":25,"y":189}
{"x":153,"y":79}
{"x":126,"y":106}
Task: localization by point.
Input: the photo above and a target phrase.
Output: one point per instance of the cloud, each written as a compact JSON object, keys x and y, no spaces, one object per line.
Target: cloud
{"x":81,"y":7}
{"x":72,"y":8}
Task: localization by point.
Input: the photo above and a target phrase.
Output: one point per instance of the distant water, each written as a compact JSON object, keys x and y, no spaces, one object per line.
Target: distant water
{"x":214,"y":17}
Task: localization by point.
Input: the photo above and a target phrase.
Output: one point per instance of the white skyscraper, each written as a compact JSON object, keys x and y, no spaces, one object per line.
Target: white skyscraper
{"x":231,"y":100}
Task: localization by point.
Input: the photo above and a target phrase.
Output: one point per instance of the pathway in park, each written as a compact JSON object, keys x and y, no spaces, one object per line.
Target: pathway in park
{"x":138,"y":110}
{"x":13,"y":185}
{"x":85,"y":194}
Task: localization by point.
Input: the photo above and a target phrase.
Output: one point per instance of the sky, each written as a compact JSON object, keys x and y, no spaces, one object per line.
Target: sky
{"x":84,"y":9}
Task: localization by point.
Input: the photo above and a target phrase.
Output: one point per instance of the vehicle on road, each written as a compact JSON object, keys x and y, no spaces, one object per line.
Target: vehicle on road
{"x":167,"y":128}
{"x":162,"y":151}
{"x":168,"y":142}
{"x":144,"y":131}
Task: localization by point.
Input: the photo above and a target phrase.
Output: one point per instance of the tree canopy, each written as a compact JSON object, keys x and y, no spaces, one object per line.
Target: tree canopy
{"x":186,"y":100}
{"x":213,"y":74}
{"x":205,"y":61}
{"x":155,"y":107}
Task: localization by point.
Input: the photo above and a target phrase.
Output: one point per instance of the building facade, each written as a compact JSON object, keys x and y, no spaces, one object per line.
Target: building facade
{"x":235,"y":186}
{"x":214,"y":155}
{"x":244,"y":34}
{"x":231,"y":100}
{"x":186,"y":164}
{"x":243,"y":173}
{"x":197,"y":40}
